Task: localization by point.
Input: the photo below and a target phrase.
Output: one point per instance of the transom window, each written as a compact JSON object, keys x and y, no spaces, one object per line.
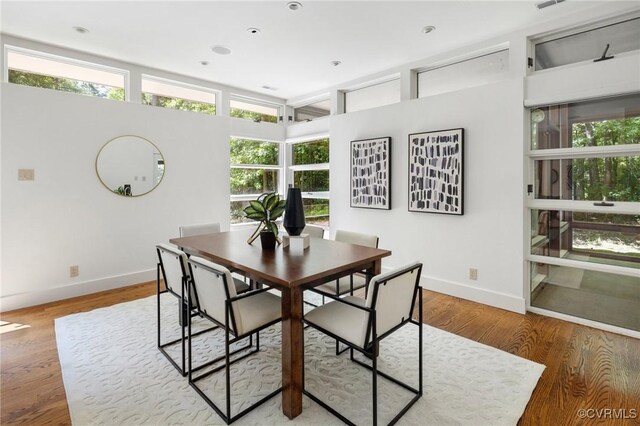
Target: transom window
{"x":176,"y":95}
{"x":312,"y":111}
{"x":587,"y":45}
{"x":375,"y":95}
{"x":37,"y":69}
{"x":476,"y":71}
{"x":254,"y":110}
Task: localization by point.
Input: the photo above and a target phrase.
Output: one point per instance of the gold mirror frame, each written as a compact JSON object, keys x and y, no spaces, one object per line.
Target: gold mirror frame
{"x":127,"y":187}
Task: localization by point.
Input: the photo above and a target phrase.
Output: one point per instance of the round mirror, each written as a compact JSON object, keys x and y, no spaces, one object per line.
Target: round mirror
{"x":130,"y":166}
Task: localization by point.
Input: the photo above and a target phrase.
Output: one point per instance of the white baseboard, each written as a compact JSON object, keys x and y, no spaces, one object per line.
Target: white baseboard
{"x":475,"y":294}
{"x":33,"y":298}
{"x":23,"y":300}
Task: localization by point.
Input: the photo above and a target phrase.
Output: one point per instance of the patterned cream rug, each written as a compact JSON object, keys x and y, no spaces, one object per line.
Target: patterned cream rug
{"x":114,"y":375}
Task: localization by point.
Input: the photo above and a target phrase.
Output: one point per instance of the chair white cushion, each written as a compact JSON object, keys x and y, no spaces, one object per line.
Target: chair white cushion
{"x":343,"y":285}
{"x":241,"y":286}
{"x":356,"y":238}
{"x":313,"y":231}
{"x":257,"y":311}
{"x":199,"y":229}
{"x":342,"y":320}
{"x":174,"y":261}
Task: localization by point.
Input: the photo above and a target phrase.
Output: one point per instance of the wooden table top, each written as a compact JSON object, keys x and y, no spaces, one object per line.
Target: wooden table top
{"x":322,"y":261}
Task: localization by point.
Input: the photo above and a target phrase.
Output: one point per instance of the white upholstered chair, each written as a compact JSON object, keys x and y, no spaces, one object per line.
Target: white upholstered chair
{"x":353,"y":282}
{"x":314,"y":231}
{"x":241,"y":316}
{"x":362,"y":323}
{"x":172,"y":268}
{"x":199,"y":229}
{"x":212,"y":228}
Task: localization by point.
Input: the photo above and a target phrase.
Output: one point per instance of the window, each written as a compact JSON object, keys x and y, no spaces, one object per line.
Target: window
{"x":588,"y":45}
{"x":372,"y":96}
{"x":255,"y":169}
{"x":472,"y":72}
{"x":312,"y":111}
{"x":176,"y":95}
{"x":254,"y":110}
{"x":38,"y":69}
{"x":585,"y":227}
{"x":309,"y":171}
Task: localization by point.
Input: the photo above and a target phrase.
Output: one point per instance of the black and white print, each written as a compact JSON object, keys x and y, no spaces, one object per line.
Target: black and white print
{"x":436,"y":172}
{"x":371,"y":173}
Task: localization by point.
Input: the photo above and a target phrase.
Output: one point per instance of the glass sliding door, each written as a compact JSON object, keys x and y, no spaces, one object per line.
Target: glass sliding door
{"x":584,"y":209}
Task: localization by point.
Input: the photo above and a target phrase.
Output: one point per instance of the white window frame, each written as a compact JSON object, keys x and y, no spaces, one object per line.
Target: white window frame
{"x":461,"y":60}
{"x":554,"y":35}
{"x":307,"y":102}
{"x":180,"y":84}
{"x":258,"y":102}
{"x":279,"y":166}
{"x":318,"y":195}
{"x":619,"y":207}
{"x":369,"y":85}
{"x":67,"y":61}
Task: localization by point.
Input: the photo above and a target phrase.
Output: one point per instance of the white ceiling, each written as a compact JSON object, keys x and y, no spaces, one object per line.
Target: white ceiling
{"x":293,"y":51}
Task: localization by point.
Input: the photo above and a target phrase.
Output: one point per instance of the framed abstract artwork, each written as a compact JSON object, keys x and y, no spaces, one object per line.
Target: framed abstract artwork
{"x":371,"y":173}
{"x":436,"y":172}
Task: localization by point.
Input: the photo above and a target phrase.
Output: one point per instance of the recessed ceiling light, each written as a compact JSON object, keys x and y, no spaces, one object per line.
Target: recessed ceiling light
{"x":335,"y":63}
{"x":253,"y":30}
{"x":204,"y":63}
{"x":294,"y":5}
{"x":221,"y":50}
{"x":81,"y":30}
{"x":428,"y":29}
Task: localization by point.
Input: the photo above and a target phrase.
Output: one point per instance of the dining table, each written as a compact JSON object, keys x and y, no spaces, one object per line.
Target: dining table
{"x":291,"y":271}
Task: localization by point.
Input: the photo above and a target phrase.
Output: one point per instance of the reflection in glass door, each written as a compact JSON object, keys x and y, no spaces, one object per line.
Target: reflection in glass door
{"x":585,"y":210}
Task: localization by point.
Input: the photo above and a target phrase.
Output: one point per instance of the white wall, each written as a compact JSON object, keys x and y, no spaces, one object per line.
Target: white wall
{"x":489,"y":235}
{"x":66,"y":216}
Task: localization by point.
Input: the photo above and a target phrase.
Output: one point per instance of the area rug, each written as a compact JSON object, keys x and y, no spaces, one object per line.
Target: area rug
{"x":114,"y":375}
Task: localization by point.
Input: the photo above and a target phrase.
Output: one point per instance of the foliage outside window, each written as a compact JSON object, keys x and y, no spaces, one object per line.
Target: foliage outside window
{"x":310,"y":172}
{"x":37,"y":69}
{"x":177,"y":103}
{"x":66,"y":85}
{"x":588,"y":152}
{"x":253,"y":111}
{"x":597,"y":126}
{"x":255,"y":169}
{"x":176,"y":95}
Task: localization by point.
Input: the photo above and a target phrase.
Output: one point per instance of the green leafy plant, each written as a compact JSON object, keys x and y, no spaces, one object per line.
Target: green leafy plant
{"x":266,"y":209}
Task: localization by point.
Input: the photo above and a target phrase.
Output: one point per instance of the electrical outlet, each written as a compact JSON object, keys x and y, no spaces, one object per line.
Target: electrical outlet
{"x":26,"y":174}
{"x":74,"y":271}
{"x":473,"y":274}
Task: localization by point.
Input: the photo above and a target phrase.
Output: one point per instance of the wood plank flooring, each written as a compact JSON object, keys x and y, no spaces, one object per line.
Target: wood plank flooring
{"x":587,"y":369}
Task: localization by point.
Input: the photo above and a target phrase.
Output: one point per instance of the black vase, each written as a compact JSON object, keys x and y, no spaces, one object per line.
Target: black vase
{"x":294,"y":213}
{"x":268,"y":240}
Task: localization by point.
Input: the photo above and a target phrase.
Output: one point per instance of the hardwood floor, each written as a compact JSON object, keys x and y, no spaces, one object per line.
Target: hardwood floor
{"x":587,"y":369}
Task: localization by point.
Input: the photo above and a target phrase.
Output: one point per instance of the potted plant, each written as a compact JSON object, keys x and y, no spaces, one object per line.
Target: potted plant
{"x":266,"y":208}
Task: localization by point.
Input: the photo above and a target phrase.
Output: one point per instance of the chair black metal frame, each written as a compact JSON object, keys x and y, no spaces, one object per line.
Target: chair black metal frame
{"x":339,"y":293}
{"x":229,"y":317}
{"x":371,"y":349}
{"x":184,"y":313}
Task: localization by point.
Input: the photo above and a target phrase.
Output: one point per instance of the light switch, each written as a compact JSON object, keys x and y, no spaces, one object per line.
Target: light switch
{"x":26,"y":174}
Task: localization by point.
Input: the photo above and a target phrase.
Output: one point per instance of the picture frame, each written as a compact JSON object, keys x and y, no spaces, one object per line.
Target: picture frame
{"x":436,"y":172}
{"x":370,"y":173}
